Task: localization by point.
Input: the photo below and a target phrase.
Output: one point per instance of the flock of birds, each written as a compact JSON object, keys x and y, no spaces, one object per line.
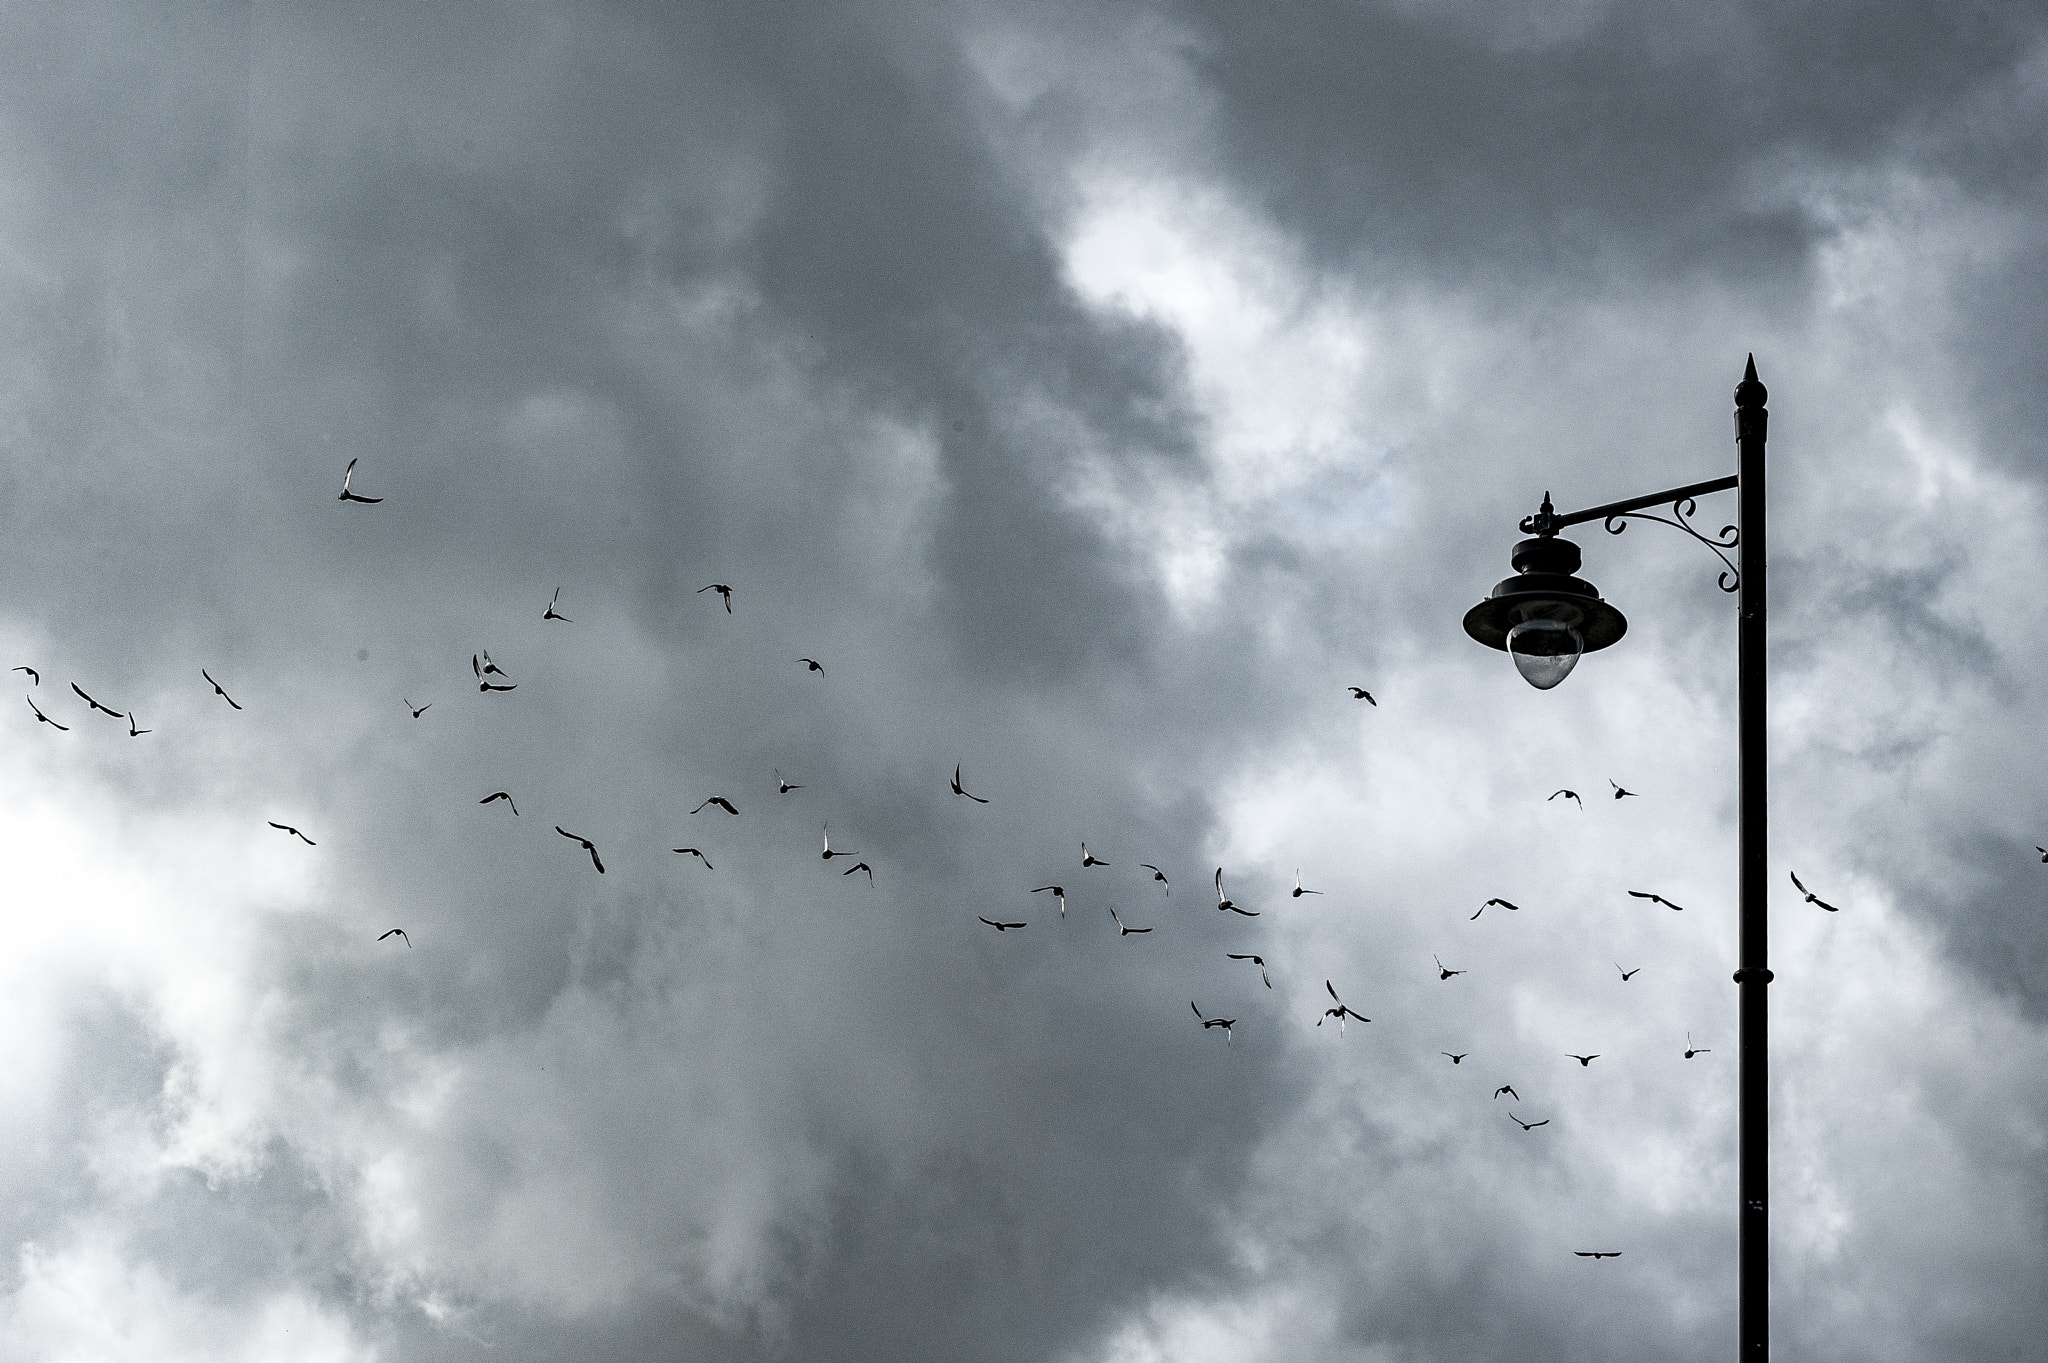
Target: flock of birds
{"x":491,"y":678}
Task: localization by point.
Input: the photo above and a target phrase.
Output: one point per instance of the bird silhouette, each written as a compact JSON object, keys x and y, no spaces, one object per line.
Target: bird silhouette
{"x":957,"y":790}
{"x":1058,"y":892}
{"x":1455,"y":1059}
{"x":1256,"y":960}
{"x":1225,"y":1023}
{"x":134,"y":732}
{"x":1159,"y":876}
{"x":724,"y":594}
{"x":1443,"y":972}
{"x":1088,"y":860}
{"x":93,"y":703}
{"x":1123,"y":931}
{"x":2037,"y":847}
{"x":489,"y":669}
{"x":552,"y":614}
{"x":287,"y":828}
{"x":1626,"y":974}
{"x":1340,"y":1012}
{"x":588,"y":846}
{"x":1509,"y":1090}
{"x":399,"y":933}
{"x":718,"y":800}
{"x":1225,"y":903}
{"x":1528,"y":1126}
{"x":417,"y":710}
{"x":1360,"y":693}
{"x":501,"y":795}
{"x":1692,"y":1050}
{"x":43,"y":717}
{"x":829,"y":853}
{"x":1585,"y":1061}
{"x":1000,"y":927}
{"x":812,"y":665}
{"x":36,"y":679}
{"x":217,"y":688}
{"x":1811,"y":897}
{"x":1598,"y":1253}
{"x":1620,"y":792}
{"x":1511,"y":908}
{"x":693,"y":852}
{"x":1298,"y":891}
{"x":1571,"y":795}
{"x":347,"y":477}
{"x":1656,"y":899}
{"x":784,"y":786}
{"x":859,"y":866}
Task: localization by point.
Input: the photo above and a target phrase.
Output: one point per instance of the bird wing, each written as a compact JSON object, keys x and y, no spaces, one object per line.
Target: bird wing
{"x":1198,"y":1012}
{"x":1641,"y":894}
{"x":1333,"y":990}
{"x":1248,"y":913}
{"x":1796,"y":883}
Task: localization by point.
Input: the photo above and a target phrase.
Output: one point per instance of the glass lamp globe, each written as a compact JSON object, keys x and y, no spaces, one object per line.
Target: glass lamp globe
{"x":1545,"y":651}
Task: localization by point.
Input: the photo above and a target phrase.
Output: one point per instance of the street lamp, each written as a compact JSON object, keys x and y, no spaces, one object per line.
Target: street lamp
{"x":1546,"y":618}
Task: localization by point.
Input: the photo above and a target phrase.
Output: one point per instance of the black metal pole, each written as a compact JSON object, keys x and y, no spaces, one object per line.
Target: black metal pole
{"x":1754,"y":1260}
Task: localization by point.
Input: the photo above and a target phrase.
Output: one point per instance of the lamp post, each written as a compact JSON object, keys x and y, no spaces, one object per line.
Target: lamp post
{"x":1546,"y":618}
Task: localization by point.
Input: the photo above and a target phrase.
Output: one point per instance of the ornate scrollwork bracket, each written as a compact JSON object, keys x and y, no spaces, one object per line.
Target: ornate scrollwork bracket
{"x":1682,"y":512}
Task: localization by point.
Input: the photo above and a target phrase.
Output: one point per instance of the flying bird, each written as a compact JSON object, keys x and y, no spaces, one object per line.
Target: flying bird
{"x":1298,"y":891}
{"x":1443,"y":972}
{"x":1159,"y":876}
{"x":1811,"y":897}
{"x":1340,"y":1012}
{"x":1598,"y":1253}
{"x":1621,"y":792}
{"x":1509,"y":1090}
{"x":36,"y":679}
{"x":348,"y":476}
{"x":93,"y":703}
{"x":1256,"y":960}
{"x":217,"y":689}
{"x":552,"y":614}
{"x":1656,"y":899}
{"x":1225,"y":1023}
{"x":1087,"y":860}
{"x":501,"y":795}
{"x":1511,"y":908}
{"x":490,"y":668}
{"x":860,"y":866}
{"x":1121,"y":929}
{"x":1585,"y":1061}
{"x":957,"y":790}
{"x":782,"y":786}
{"x":693,"y":852}
{"x":588,"y":846}
{"x":718,"y":800}
{"x":1455,"y":1058}
{"x":1223,"y":901}
{"x":417,"y":710}
{"x":1360,"y":693}
{"x":812,"y":665}
{"x":134,"y":732}
{"x":398,"y":933}
{"x":1527,"y":1126}
{"x":2037,"y":847}
{"x":724,"y":594}
{"x":1625,"y":974}
{"x":1000,"y":927}
{"x":285,"y":827}
{"x":1692,"y":1050}
{"x":829,"y":853}
{"x":1058,"y":892}
{"x":1571,"y":795}
{"x":43,"y":717}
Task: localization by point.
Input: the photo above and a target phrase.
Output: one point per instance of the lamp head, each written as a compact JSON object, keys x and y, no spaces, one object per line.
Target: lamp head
{"x":1545,"y":617}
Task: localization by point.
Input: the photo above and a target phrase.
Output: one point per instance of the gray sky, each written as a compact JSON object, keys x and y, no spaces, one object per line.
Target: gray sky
{"x":1097,"y":391}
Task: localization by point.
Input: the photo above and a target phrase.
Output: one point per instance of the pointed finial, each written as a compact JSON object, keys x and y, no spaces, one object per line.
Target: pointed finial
{"x":1751,"y":392}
